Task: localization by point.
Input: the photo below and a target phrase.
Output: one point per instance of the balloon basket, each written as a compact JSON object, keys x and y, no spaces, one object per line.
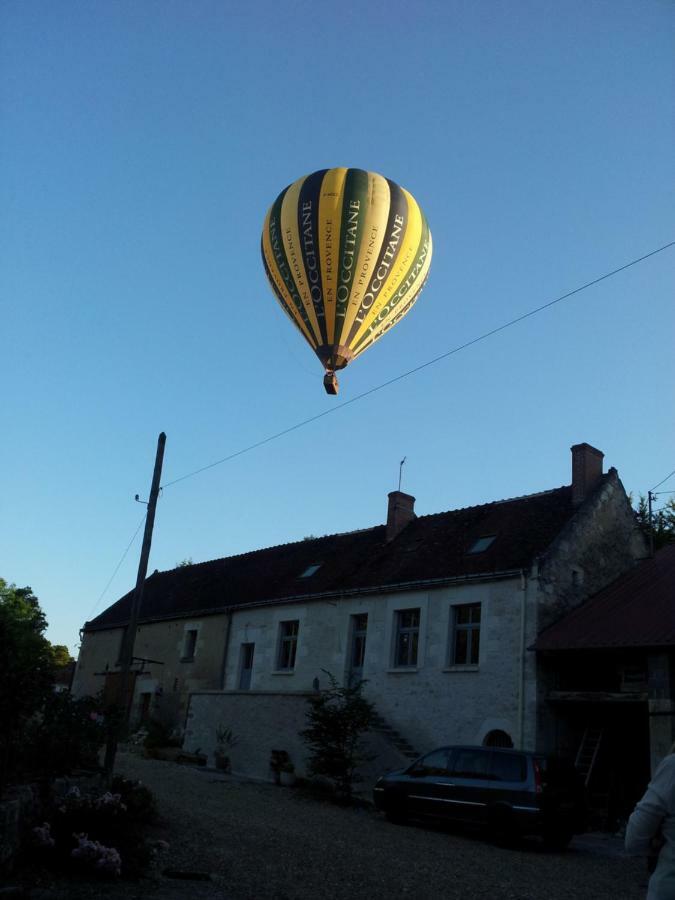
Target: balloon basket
{"x":330,"y":383}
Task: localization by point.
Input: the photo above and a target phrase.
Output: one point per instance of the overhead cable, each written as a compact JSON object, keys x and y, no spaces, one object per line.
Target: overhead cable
{"x":431,"y":362}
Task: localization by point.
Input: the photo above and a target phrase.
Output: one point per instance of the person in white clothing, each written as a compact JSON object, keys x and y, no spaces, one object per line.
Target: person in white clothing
{"x":651,"y":830}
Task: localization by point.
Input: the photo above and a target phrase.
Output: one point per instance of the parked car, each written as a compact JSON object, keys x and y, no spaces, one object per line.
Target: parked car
{"x":508,"y":791}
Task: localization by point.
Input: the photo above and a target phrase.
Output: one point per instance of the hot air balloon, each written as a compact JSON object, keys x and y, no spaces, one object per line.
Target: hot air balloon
{"x":347,"y":253}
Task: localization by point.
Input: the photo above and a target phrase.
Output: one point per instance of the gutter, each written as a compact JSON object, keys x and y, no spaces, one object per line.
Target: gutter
{"x":524,"y":582}
{"x":299,"y":598}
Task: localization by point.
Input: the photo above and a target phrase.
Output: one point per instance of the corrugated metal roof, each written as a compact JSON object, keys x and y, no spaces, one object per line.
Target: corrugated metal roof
{"x":433,"y":547}
{"x":636,"y":610}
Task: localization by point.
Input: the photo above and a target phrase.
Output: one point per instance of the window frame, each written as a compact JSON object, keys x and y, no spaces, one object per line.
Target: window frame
{"x":469,"y":629}
{"x":287,"y":642}
{"x":408,"y":660}
{"x":189,"y":643}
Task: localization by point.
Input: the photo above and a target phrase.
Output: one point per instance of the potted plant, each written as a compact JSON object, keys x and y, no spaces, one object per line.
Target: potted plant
{"x":225,"y":740}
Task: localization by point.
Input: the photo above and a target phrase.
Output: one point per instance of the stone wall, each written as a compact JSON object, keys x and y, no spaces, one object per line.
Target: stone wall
{"x":265,"y":721}
{"x":167,"y":675}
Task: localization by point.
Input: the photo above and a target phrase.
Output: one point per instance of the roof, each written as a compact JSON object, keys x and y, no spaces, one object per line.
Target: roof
{"x":636,"y":610}
{"x":429,"y":548}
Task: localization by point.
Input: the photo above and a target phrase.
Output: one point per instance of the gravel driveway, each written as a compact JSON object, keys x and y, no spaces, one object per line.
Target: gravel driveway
{"x":262,"y":842}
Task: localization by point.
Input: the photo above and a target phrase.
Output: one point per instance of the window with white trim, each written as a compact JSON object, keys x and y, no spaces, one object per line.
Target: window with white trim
{"x":407,"y":638}
{"x":288,"y":643}
{"x":465,"y":634}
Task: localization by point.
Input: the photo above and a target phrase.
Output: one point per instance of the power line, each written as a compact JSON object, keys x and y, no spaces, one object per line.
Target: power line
{"x":122,"y":558}
{"x":431,"y":362}
{"x":663,"y":481}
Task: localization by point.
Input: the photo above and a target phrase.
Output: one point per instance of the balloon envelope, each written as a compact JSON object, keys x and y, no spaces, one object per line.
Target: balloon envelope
{"x":347,"y":253}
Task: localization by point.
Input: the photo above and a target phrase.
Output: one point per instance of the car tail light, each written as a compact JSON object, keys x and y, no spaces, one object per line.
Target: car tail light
{"x":537,"y":777}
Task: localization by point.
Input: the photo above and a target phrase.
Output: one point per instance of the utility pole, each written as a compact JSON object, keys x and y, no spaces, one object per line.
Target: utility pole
{"x":127,"y":652}
{"x":650,"y":497}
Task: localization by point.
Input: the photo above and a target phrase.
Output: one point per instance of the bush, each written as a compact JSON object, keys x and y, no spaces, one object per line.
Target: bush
{"x":138,"y":799}
{"x":66,"y":735}
{"x":337,"y":719}
{"x":101,"y":833}
{"x":159,"y":735}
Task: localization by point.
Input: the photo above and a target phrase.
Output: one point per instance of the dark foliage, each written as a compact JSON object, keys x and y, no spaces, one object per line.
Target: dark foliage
{"x":66,"y":735}
{"x":116,"y":819}
{"x":662,"y":524}
{"x":337,"y":719}
{"x":26,"y":671}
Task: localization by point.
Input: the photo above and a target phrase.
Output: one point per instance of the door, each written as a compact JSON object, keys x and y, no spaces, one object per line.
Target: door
{"x":357,"y":650}
{"x":429,"y":787}
{"x":246,"y":667}
{"x":469,"y":793}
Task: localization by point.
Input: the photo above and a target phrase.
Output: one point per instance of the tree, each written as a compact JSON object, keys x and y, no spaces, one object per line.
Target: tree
{"x":337,"y":719}
{"x":61,"y":656}
{"x":26,"y":667}
{"x":662,"y":524}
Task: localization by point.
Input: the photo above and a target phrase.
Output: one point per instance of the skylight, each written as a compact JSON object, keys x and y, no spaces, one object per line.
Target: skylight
{"x":482,"y":543}
{"x":310,"y":570}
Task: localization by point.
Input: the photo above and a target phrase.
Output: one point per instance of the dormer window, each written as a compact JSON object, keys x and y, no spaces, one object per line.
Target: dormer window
{"x":482,"y":543}
{"x":310,"y":570}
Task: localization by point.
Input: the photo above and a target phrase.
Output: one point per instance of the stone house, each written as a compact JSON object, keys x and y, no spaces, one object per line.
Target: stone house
{"x":607,"y":670}
{"x":435,"y":612}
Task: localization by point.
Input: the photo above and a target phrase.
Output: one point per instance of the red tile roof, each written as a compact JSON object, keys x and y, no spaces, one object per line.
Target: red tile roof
{"x":430,"y":548}
{"x":636,"y":610}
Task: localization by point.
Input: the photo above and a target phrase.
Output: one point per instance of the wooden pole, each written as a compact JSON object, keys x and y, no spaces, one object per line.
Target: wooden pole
{"x":650,"y":497}
{"x":127,"y":652}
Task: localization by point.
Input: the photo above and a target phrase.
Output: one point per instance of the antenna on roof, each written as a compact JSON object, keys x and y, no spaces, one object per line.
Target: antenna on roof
{"x":400,"y":471}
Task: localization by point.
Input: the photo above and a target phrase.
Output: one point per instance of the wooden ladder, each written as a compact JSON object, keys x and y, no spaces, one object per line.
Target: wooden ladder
{"x":588,"y":752}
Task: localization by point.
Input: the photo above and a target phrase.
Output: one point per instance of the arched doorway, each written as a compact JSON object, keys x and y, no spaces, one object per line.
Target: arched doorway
{"x":497,"y":738}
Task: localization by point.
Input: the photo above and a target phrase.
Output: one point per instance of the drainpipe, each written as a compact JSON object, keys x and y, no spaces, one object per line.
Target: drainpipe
{"x":521,"y":687}
{"x":223,"y":668}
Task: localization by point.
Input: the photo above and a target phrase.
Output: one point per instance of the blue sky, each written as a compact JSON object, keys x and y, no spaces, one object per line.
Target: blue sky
{"x":141,"y":146}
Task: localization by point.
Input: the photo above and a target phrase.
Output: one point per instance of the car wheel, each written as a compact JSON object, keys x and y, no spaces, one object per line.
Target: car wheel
{"x":500,"y":826}
{"x":396,"y":816}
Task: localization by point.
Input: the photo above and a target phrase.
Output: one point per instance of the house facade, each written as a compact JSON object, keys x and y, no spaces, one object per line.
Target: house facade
{"x":607,"y":671}
{"x":436,"y":613}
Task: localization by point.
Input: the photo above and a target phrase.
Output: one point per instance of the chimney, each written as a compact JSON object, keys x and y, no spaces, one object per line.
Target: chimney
{"x":586,"y":471}
{"x":401,"y":511}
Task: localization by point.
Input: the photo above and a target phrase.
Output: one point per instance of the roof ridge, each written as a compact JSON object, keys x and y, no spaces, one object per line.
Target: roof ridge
{"x":305,"y":541}
{"x":497,"y":502}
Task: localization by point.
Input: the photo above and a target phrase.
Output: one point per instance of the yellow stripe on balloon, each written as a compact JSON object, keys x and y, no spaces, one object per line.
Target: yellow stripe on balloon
{"x":329,"y":224}
{"x":280,"y":287}
{"x":407,"y":302}
{"x":374,"y":230}
{"x":409,"y":247}
{"x":291,"y":235}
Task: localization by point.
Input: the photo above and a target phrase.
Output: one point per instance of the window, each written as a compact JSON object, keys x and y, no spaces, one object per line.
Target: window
{"x":310,"y":570}
{"x":407,"y":635}
{"x":468,"y":763}
{"x":497,"y":738}
{"x":288,"y":642}
{"x":466,"y":634}
{"x":482,"y":543}
{"x":189,"y":645}
{"x":358,"y":649}
{"x":507,"y":767}
{"x":435,"y":763}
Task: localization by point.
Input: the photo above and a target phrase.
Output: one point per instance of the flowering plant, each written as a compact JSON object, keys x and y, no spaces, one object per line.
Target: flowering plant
{"x":41,"y":836}
{"x":105,"y":860}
